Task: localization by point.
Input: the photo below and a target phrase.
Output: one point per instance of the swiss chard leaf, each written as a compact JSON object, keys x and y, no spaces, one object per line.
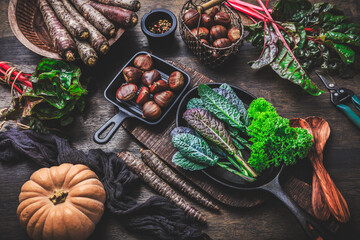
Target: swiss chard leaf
{"x":313,"y":15}
{"x":290,"y":10}
{"x":286,"y":67}
{"x":270,"y":49}
{"x":195,"y":149}
{"x":346,"y":54}
{"x":256,"y":35}
{"x":183,"y":162}
{"x":209,"y":127}
{"x":338,"y":37}
{"x":56,"y":91}
{"x":220,"y":107}
{"x":328,"y":38}
{"x":294,"y":33}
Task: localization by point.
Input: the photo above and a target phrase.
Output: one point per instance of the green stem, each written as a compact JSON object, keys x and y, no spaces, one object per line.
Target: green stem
{"x":226,"y":163}
{"x":235,"y":164}
{"x":246,"y":178}
{"x":246,"y":166}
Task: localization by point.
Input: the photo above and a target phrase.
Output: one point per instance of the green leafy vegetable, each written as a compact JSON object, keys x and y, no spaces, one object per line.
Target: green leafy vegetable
{"x":220,"y":107}
{"x":214,"y":131}
{"x":291,"y":10}
{"x":194,"y":149}
{"x":334,"y":37}
{"x":195,"y":103}
{"x":210,"y":128}
{"x":274,"y":141}
{"x":346,"y":54}
{"x":195,"y":154}
{"x":276,"y":55}
{"x":270,"y":50}
{"x":56,"y":92}
{"x":320,"y":35}
{"x":184,"y":163}
{"x":286,"y":67}
{"x":179,"y":130}
{"x":339,"y":37}
{"x":226,"y":91}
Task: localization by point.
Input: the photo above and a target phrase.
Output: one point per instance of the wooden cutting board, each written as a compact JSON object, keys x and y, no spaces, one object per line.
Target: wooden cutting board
{"x":157,"y":138}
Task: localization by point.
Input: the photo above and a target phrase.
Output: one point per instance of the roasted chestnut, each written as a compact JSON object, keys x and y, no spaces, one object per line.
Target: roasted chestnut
{"x":149,"y":77}
{"x":222,"y":18}
{"x":151,"y":110}
{"x":207,"y":21}
{"x":212,"y":11}
{"x":222,"y":42}
{"x":218,"y":31}
{"x":144,"y":62}
{"x":127,"y":92}
{"x":176,"y":80}
{"x":144,"y":96}
{"x":132,"y":74}
{"x":203,"y":32}
{"x":164,"y":99}
{"x":191,"y":18}
{"x":234,"y":34}
{"x":159,"y":86}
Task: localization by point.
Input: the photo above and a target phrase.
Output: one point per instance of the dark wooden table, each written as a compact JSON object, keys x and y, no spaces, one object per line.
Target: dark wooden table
{"x":271,"y":220}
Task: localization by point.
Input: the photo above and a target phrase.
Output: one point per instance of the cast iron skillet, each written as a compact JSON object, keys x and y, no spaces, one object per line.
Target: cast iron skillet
{"x":130,"y":109}
{"x":267,"y":181}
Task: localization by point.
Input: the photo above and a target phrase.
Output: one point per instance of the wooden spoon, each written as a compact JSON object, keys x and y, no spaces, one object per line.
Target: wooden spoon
{"x":321,"y":131}
{"x":319,"y":207}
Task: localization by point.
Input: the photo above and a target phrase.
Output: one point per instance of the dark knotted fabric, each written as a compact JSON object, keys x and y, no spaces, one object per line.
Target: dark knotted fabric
{"x":156,"y":217}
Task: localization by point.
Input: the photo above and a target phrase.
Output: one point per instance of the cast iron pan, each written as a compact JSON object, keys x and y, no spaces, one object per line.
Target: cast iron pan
{"x":130,"y":109}
{"x":267,"y":181}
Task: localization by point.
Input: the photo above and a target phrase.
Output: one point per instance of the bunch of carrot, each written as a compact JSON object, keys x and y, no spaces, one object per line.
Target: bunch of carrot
{"x":84,"y":26}
{"x":152,"y":170}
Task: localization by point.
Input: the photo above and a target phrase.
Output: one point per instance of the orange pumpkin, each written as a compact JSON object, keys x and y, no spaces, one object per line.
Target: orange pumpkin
{"x":61,"y":202}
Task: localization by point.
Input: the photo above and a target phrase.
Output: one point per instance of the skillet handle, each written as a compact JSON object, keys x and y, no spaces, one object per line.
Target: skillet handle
{"x":116,"y":121}
{"x":310,"y":225}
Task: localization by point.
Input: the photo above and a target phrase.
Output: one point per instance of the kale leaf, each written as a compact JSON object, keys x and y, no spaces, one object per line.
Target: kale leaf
{"x":179,"y":160}
{"x":274,"y":141}
{"x":195,"y":149}
{"x":220,"y":107}
{"x":195,"y":103}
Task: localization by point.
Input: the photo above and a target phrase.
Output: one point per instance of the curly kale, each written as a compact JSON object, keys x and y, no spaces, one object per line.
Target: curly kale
{"x":274,"y":141}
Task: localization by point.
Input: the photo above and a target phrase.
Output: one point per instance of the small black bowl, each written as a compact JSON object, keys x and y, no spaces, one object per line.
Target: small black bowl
{"x":154,"y":15}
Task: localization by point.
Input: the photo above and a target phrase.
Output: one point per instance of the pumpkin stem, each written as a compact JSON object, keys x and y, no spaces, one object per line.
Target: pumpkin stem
{"x":59,"y":196}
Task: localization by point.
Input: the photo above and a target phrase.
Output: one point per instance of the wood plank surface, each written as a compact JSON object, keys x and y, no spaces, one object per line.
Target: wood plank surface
{"x":270,"y":220}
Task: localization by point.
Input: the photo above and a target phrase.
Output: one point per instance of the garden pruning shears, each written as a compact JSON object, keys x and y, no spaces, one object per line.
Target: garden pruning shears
{"x":341,"y":96}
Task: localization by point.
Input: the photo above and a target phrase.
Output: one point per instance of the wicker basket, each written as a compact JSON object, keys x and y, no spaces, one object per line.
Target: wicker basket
{"x":28,"y":26}
{"x":209,"y":55}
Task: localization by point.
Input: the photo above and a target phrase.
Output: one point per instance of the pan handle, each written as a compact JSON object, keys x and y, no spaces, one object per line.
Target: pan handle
{"x":310,"y":225}
{"x":116,"y":121}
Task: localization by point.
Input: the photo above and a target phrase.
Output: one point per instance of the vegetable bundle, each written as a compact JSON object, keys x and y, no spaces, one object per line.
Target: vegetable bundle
{"x":274,"y":141}
{"x":224,"y":128}
{"x":83,"y":27}
{"x":53,"y":92}
{"x":298,"y":36}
